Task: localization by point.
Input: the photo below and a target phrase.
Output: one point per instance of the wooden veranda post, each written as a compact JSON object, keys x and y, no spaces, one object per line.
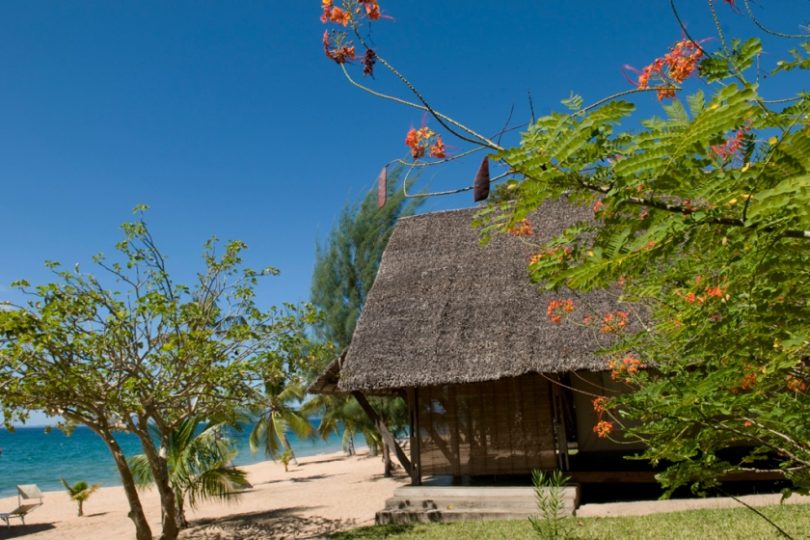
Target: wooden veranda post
{"x":413,"y":408}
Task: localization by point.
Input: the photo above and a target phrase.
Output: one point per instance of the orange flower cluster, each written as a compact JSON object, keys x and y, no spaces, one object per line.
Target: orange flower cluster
{"x":340,"y":53}
{"x":629,"y":365}
{"x":419,"y":140}
{"x":556,"y":309}
{"x":523,"y":228}
{"x":332,"y":13}
{"x":372,"y":8}
{"x":560,"y":254}
{"x":714,"y":292}
{"x":796,"y":384}
{"x":733,"y":145}
{"x":748,"y":381}
{"x":614,"y":322}
{"x":675,"y":66}
{"x":711,"y":292}
{"x":603,"y":428}
{"x":597,"y":206}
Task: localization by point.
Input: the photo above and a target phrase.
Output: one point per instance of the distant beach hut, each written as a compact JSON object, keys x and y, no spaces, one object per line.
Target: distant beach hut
{"x":494,"y":387}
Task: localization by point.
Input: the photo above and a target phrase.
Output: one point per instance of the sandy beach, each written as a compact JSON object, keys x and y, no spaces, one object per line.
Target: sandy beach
{"x":322,"y":494}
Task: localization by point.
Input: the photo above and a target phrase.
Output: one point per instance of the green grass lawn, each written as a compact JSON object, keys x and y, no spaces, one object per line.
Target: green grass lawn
{"x":738,"y":523}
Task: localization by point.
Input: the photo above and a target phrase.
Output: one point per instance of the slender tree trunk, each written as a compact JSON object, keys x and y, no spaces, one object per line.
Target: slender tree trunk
{"x":160,"y":473}
{"x":350,"y":445}
{"x":387,"y":465}
{"x":136,"y":514}
{"x":286,"y":444}
{"x":81,"y":510}
{"x":182,"y":522}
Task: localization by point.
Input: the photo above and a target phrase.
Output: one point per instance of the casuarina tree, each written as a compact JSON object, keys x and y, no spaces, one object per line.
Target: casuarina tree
{"x":345,"y":269}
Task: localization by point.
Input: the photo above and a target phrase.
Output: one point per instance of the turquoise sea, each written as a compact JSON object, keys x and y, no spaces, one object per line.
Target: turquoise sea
{"x":32,"y":456}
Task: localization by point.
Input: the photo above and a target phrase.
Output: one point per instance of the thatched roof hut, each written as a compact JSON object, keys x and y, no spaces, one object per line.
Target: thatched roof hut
{"x":460,"y":330}
{"x":446,"y":309}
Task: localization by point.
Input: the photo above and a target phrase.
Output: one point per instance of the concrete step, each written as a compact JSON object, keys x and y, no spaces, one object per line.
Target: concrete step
{"x":457,"y":503}
{"x":448,"y":516}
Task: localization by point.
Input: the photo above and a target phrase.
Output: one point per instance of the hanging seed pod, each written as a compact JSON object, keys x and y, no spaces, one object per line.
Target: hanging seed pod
{"x":481,"y":184}
{"x":382,"y":187}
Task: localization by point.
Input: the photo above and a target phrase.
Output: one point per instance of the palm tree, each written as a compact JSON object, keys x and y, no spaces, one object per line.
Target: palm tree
{"x":199,"y":461}
{"x":80,"y":492}
{"x":343,"y":415}
{"x":279,"y":415}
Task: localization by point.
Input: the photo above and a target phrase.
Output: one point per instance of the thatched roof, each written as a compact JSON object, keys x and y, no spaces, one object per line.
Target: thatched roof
{"x":327,"y":382}
{"x":445,"y":309}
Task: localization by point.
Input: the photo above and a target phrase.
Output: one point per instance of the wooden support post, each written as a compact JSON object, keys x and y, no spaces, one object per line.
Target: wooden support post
{"x":387,"y":437}
{"x":416,"y":445}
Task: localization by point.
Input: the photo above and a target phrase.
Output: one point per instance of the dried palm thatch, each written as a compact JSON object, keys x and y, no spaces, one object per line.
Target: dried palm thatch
{"x":445,"y":309}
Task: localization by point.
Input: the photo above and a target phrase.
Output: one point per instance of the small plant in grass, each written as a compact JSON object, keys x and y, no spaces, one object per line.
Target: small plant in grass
{"x":80,"y":492}
{"x":552,"y":523}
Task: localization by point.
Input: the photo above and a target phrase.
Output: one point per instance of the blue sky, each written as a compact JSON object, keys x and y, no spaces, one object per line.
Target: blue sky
{"x":227,"y":119}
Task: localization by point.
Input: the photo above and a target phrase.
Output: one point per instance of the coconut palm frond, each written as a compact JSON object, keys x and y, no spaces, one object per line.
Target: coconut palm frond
{"x":221,"y":483}
{"x":141,"y":471}
{"x":297,"y":423}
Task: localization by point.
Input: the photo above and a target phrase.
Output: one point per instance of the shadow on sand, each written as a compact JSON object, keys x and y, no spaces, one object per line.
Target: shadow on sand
{"x":17,"y":531}
{"x":274,"y":524}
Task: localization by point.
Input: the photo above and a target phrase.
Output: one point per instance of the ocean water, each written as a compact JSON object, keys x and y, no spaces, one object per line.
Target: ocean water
{"x":32,"y":456}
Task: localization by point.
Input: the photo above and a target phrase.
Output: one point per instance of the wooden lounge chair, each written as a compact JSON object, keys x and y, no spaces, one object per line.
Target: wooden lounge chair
{"x":29,"y":497}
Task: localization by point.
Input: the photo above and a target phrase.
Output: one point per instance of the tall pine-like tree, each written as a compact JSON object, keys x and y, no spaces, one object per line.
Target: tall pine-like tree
{"x":346,"y":265}
{"x":345,"y":268}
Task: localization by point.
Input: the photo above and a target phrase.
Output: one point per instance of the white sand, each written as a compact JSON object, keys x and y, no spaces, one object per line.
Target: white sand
{"x":324,"y":493}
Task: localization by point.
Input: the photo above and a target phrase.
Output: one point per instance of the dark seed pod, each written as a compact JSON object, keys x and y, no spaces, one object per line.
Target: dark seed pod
{"x":481,"y":184}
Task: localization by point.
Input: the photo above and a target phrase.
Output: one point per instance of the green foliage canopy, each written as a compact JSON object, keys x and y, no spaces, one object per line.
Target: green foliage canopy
{"x":703,"y":219}
{"x":145,"y":351}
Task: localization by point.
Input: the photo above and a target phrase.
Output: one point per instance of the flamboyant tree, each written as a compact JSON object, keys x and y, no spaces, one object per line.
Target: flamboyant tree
{"x":134,"y":351}
{"x":701,"y":223}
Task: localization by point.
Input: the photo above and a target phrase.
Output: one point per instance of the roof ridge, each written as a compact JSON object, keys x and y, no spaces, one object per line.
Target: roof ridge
{"x":449,"y":211}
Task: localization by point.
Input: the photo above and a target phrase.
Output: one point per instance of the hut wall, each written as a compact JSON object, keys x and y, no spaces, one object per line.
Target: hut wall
{"x":598,"y":382}
{"x":488,"y":428}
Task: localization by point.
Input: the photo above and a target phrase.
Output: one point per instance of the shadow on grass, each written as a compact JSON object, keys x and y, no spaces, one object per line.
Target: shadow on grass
{"x":377,"y":531}
{"x":279,"y":523}
{"x":17,"y":531}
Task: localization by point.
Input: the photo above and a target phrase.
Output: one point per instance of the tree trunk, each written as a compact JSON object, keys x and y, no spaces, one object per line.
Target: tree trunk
{"x":350,"y":446}
{"x":286,"y":444}
{"x":136,"y":514}
{"x":160,"y":472}
{"x":387,"y":465}
{"x":81,"y":510}
{"x":182,"y":522}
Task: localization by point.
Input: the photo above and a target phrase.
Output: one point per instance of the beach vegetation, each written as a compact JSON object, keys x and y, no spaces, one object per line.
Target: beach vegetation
{"x":345,"y":268}
{"x":133,"y":350}
{"x":80,"y":492}
{"x":199,"y":458}
{"x":279,"y":413}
